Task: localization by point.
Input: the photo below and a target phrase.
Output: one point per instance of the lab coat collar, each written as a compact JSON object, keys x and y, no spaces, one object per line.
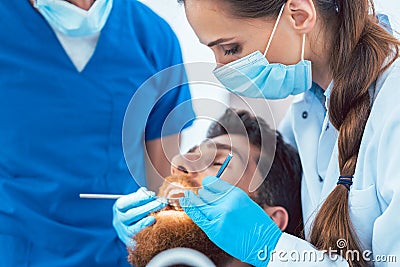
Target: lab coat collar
{"x":327,"y":94}
{"x":314,"y":92}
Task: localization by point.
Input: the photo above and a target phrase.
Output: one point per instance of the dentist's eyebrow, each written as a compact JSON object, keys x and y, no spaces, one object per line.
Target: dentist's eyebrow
{"x":219,"y":41}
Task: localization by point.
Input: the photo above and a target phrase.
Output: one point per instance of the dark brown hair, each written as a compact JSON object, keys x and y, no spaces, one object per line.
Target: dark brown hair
{"x":360,"y":51}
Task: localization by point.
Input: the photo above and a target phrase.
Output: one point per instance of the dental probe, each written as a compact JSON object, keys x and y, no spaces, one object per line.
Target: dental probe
{"x":103,"y":196}
{"x":111,"y":196}
{"x":224,"y":165}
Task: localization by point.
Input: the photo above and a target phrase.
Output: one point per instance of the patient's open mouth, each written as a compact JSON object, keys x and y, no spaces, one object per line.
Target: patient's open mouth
{"x":174,"y":187}
{"x":175,"y":190}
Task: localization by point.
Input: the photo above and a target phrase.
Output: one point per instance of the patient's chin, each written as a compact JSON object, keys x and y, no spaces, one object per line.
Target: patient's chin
{"x":173,"y":229}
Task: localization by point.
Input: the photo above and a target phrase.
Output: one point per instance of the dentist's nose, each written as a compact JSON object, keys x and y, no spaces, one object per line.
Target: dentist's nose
{"x":221,"y":61}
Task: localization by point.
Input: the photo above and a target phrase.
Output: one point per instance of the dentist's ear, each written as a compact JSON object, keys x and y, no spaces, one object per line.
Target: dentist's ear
{"x":279,"y":215}
{"x":303,"y":15}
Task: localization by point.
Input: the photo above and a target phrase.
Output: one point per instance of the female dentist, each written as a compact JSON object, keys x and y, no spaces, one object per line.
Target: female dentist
{"x":345,"y":127}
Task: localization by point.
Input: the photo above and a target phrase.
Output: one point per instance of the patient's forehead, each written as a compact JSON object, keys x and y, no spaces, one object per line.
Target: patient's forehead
{"x":235,"y":143}
{"x":173,"y":229}
{"x":239,"y":144}
{"x":242,"y":169}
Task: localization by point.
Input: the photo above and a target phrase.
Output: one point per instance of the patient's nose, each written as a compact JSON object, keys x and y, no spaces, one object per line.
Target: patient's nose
{"x":187,"y":164}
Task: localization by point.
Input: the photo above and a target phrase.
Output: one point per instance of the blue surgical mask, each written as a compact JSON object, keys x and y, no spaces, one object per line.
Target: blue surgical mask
{"x":73,"y":21}
{"x":253,"y":76}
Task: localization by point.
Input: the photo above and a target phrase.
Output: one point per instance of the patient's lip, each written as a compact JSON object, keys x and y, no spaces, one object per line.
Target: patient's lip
{"x":175,"y":190}
{"x":176,"y":193}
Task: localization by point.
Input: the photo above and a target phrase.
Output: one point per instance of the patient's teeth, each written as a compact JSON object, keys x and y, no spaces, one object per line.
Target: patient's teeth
{"x":174,"y":203}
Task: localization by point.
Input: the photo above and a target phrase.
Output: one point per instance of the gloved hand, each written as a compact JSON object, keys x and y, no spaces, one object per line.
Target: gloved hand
{"x":130,"y":213}
{"x":232,"y":221}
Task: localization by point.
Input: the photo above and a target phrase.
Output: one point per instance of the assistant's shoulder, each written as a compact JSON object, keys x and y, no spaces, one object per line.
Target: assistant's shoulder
{"x":147,"y":20}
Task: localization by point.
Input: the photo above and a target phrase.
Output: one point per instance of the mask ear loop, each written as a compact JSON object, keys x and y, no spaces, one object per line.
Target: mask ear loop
{"x":303,"y":47}
{"x":274,"y":29}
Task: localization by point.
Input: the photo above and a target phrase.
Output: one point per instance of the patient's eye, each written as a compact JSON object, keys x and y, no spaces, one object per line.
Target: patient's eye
{"x":217,"y":163}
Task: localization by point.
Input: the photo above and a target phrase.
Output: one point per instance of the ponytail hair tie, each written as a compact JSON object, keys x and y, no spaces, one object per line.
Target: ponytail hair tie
{"x":335,"y":2}
{"x":347,"y":181}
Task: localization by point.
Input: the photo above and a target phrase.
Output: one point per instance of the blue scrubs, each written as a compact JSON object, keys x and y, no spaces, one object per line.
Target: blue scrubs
{"x":61,"y":130}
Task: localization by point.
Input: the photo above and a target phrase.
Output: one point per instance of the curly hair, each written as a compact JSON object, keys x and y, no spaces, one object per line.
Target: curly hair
{"x":173,"y":228}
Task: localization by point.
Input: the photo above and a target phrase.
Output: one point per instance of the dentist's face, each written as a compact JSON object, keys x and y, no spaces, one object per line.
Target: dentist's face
{"x":231,"y":38}
{"x":206,"y":159}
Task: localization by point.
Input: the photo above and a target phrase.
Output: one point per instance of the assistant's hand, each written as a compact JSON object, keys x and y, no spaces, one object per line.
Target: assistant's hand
{"x":130,"y":213}
{"x":232,"y":221}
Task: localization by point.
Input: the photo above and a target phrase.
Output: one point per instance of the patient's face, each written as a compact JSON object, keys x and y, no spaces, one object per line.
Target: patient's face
{"x":206,"y":159}
{"x":173,"y":228}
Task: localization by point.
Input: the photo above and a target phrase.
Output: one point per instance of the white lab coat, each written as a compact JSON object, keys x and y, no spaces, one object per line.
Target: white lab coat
{"x":374,"y":198}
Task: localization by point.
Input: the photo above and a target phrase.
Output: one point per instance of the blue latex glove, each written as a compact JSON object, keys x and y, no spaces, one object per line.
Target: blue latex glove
{"x":232,"y":221}
{"x":130,"y":213}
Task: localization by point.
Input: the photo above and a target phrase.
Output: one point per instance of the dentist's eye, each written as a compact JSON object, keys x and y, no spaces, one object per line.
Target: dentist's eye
{"x":232,"y":51}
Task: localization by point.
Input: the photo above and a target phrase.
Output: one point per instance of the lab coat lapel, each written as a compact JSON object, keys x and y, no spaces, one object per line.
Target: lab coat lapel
{"x":308,"y":114}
